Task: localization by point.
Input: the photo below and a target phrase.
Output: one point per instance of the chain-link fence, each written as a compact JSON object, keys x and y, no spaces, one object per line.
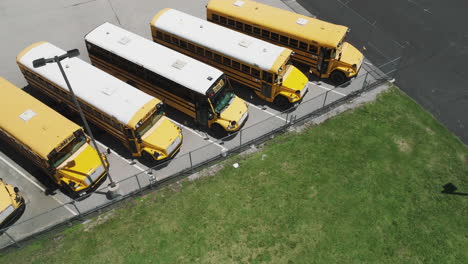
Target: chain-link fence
{"x":381,"y":65}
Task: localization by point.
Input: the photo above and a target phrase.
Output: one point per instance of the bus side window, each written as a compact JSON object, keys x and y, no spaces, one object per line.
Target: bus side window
{"x":226,"y":61}
{"x":217,"y":58}
{"x":167,"y":38}
{"x":209,"y":54}
{"x":191,"y":47}
{"x":274,"y":36}
{"x":223,"y":20}
{"x":302,"y":45}
{"x":175,"y":41}
{"x":313,"y":49}
{"x":256,"y":31}
{"x":293,"y":43}
{"x":236,"y":65}
{"x":231,"y":22}
{"x":159,"y":35}
{"x":246,"y":69}
{"x":284,"y":39}
{"x":128,"y":132}
{"x":265,"y":33}
{"x":239,"y":25}
{"x":200,"y":51}
{"x":215,"y":17}
{"x":267,"y":77}
{"x":256,"y":73}
{"x":183,"y":44}
{"x":248,"y":28}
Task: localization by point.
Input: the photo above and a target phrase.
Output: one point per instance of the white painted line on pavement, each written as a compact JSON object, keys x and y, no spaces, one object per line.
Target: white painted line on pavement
{"x":35,"y":184}
{"x":122,"y":158}
{"x":198,"y":134}
{"x":328,"y":89}
{"x":266,"y":111}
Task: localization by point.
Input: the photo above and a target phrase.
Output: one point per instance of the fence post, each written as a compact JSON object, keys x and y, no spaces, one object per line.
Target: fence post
{"x":78,"y":210}
{"x":190,"y":156}
{"x":11,"y":238}
{"x":138,"y":181}
{"x":240,"y":138}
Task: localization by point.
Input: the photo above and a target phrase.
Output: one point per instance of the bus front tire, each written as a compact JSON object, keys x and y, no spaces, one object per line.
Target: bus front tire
{"x":282,"y":102}
{"x":338,"y":77}
{"x":218,"y":131}
{"x":147,"y":157}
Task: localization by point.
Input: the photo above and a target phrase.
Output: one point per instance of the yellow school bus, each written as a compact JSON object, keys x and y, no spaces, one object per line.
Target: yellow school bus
{"x":130,"y":115}
{"x":12,"y":205}
{"x":55,"y":144}
{"x":261,"y":66}
{"x":190,"y":86}
{"x":318,"y":45}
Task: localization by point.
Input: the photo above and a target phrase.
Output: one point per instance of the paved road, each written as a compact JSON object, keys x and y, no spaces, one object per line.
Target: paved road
{"x":435,"y":39}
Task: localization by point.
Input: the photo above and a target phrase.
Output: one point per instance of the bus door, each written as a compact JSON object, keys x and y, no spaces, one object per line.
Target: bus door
{"x":134,"y":145}
{"x":267,"y":84}
{"x":202,"y":109}
{"x":323,"y":61}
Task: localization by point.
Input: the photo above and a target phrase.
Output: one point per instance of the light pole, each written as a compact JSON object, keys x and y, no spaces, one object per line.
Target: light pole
{"x":57,"y":59}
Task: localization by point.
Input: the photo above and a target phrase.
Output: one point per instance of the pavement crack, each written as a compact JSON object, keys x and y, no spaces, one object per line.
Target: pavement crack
{"x":116,"y":16}
{"x":82,"y":3}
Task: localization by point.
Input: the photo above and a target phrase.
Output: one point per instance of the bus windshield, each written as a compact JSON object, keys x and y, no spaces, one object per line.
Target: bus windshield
{"x":222,"y":96}
{"x":56,"y":157}
{"x":149,"y":122}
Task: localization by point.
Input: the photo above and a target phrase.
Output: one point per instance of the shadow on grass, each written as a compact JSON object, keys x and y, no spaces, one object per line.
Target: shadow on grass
{"x":449,"y":188}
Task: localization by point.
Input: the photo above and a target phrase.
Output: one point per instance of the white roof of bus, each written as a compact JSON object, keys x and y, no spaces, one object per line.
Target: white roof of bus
{"x":98,"y":88}
{"x":253,"y":51}
{"x":193,"y":74}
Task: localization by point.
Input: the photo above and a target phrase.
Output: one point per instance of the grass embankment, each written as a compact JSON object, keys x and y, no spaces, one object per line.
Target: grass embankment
{"x":362,"y":187}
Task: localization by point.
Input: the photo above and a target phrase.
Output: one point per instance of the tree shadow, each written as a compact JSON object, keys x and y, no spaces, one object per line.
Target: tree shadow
{"x":449,"y":188}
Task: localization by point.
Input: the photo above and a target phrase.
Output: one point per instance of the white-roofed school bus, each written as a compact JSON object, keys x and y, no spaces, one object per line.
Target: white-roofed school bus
{"x":264,"y":67}
{"x":133,"y":117}
{"x":188,"y":85}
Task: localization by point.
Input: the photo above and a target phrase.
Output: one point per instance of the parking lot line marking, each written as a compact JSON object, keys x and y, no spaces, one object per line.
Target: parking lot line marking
{"x":328,"y":89}
{"x":266,"y":111}
{"x":198,"y":134}
{"x":122,"y":158}
{"x":35,"y":183}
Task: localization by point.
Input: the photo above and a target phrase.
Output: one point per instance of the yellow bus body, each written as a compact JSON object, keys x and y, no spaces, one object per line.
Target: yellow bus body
{"x":161,"y":141}
{"x":294,"y":83}
{"x":12,"y":205}
{"x":307,"y":36}
{"x":41,"y":134}
{"x":143,"y":63}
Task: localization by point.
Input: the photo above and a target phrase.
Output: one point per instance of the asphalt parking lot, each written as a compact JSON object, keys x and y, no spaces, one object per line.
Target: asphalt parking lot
{"x":64,"y":23}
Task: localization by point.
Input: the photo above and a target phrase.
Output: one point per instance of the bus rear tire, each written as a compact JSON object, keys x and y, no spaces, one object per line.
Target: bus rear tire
{"x":282,"y":102}
{"x":218,"y":131}
{"x":337,"y":77}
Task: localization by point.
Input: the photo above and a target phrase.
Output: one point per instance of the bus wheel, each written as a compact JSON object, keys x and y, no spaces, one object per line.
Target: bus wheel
{"x":218,"y":131}
{"x":282,"y":102}
{"x":337,"y":77}
{"x":147,"y":157}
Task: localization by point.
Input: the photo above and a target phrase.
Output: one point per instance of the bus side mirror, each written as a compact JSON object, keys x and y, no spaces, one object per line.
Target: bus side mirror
{"x":139,"y":140}
{"x":108,"y":151}
{"x":16,"y":189}
{"x":210,"y":116}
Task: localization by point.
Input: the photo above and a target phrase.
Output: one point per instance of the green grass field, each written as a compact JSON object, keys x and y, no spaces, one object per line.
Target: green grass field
{"x":363,"y":187}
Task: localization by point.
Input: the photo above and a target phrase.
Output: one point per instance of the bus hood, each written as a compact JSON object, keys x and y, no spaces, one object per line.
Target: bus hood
{"x":294,"y":79}
{"x":235,"y":111}
{"x":80,"y":165}
{"x":350,"y":55}
{"x":5,"y":198}
{"x":162,"y":135}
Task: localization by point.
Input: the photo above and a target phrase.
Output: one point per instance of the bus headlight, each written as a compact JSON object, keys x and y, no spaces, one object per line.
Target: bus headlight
{"x":156,"y":155}
{"x":354,"y":66}
{"x":232,"y":125}
{"x":298,"y":92}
